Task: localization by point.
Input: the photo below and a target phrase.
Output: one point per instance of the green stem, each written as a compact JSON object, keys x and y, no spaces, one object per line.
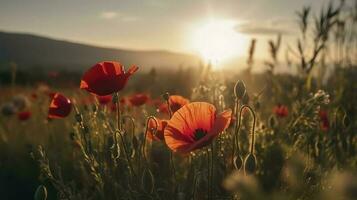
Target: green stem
{"x":119,"y":127}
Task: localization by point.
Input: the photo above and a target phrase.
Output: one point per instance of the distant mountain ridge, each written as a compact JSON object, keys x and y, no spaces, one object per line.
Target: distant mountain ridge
{"x":28,"y":50}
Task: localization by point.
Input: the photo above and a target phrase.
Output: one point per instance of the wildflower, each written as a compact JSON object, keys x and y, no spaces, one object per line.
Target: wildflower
{"x":175,"y":101}
{"x":325,"y":124}
{"x":157,"y":135}
{"x":105,"y":78}
{"x":60,"y":107}
{"x":103,"y":100}
{"x":194,"y":126}
{"x":139,"y":99}
{"x":281,"y":111}
{"x":24,"y":115}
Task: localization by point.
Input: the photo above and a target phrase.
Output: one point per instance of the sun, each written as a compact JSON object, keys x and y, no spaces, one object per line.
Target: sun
{"x":216,"y":40}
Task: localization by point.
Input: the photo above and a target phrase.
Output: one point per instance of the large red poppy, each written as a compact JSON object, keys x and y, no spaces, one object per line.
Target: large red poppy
{"x":194,"y":126}
{"x":175,"y":101}
{"x":105,"y":78}
{"x":281,"y":111}
{"x":24,"y":115}
{"x":60,"y":107}
{"x":139,"y":99}
{"x":159,"y":134}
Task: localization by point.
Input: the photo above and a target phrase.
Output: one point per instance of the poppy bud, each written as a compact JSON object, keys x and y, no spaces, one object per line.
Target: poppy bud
{"x":237,"y":162}
{"x":245,"y":99}
{"x":272,"y":122}
{"x":345,"y":121}
{"x":166,"y":96}
{"x":239,"y":89}
{"x":78,"y":118}
{"x":41,"y":193}
{"x":250,"y":164}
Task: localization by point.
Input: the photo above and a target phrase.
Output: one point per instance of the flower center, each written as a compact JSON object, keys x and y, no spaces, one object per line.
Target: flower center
{"x":199,"y":133}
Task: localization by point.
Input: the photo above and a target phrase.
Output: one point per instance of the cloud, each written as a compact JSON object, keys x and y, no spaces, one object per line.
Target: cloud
{"x":108,"y":15}
{"x":269,"y":27}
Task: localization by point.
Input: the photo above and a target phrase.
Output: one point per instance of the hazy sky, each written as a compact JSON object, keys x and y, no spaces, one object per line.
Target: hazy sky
{"x":145,"y":24}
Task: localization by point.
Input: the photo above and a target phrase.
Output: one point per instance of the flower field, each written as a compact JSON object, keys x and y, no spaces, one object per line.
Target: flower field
{"x":116,"y":132}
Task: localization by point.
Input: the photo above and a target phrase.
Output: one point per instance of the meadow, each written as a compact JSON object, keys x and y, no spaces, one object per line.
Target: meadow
{"x":113,"y":132}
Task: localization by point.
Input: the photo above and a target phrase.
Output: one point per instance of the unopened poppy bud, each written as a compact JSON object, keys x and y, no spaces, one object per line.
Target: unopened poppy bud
{"x":250,"y":164}
{"x":78,"y":118}
{"x":237,"y":162}
{"x":345,"y":121}
{"x":239,"y":89}
{"x":41,"y":193}
{"x":272,"y":122}
{"x":166,"y":96}
{"x":245,"y":99}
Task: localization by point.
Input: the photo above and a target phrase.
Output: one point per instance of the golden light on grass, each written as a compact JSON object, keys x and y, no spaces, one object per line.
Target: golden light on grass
{"x":217,"y":40}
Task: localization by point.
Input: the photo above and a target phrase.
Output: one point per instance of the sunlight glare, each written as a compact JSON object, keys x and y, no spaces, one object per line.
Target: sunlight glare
{"x":217,"y":40}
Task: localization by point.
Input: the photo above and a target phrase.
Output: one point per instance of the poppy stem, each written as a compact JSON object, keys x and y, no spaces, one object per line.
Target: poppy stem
{"x":172,"y":164}
{"x":146,"y":132}
{"x":211,"y":172}
{"x":237,"y":124}
{"x":173,"y":169}
{"x":121,"y":136}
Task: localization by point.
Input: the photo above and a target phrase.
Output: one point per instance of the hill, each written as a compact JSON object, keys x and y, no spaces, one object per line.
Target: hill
{"x":28,"y":50}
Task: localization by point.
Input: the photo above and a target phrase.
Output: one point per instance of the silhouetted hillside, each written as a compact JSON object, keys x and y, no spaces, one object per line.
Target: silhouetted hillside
{"x":34,"y":51}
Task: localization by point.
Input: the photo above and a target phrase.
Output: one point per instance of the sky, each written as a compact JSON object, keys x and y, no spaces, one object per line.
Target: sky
{"x":148,"y":24}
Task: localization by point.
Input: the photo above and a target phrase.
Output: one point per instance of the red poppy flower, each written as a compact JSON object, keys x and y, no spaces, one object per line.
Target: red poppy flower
{"x":138,"y":99}
{"x":159,"y":134}
{"x":155,"y":102}
{"x":60,"y":107}
{"x":103,"y":100}
{"x":194,"y":126}
{"x":325,"y":124}
{"x":105,"y":78}
{"x":281,"y":111}
{"x":176,"y":102}
{"x":23,"y":116}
